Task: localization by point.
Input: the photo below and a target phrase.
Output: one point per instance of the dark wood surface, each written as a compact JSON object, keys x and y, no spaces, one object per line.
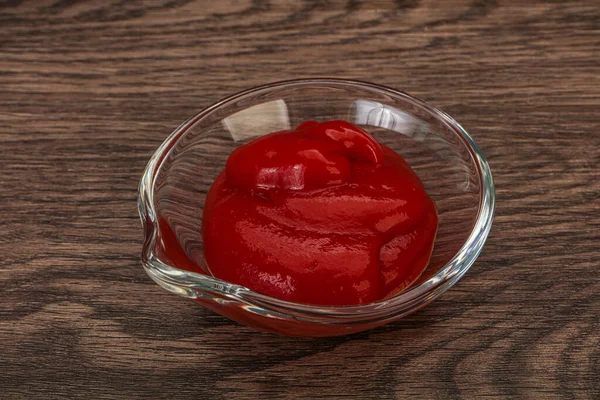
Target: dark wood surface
{"x":89,"y":89}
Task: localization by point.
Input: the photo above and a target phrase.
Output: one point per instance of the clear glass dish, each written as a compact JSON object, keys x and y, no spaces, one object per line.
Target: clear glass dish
{"x":178,"y":176}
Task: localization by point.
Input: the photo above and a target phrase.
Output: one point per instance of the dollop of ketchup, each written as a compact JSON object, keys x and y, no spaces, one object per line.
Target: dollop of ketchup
{"x":320,"y":215}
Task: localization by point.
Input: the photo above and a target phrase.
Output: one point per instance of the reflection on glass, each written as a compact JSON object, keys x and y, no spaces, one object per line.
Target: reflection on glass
{"x":258,"y":120}
{"x":372,"y":113}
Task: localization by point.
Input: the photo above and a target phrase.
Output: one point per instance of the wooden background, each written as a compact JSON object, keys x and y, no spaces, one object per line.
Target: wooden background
{"x":89,"y":89}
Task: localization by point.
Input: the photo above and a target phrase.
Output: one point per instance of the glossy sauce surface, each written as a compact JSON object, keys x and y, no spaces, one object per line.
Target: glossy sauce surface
{"x":320,"y":215}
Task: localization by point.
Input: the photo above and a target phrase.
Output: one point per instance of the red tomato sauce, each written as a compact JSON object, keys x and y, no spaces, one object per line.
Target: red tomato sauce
{"x":323,"y":215}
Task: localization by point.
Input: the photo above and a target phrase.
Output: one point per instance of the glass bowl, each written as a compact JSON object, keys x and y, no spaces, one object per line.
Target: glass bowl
{"x":173,"y":189}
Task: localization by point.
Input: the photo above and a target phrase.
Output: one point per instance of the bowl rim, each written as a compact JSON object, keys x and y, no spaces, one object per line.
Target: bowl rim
{"x":189,"y":283}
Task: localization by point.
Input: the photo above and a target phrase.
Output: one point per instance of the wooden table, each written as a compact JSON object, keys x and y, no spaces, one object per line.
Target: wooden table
{"x":88,"y":90}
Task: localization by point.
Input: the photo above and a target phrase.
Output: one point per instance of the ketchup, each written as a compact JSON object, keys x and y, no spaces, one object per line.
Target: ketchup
{"x":320,"y":215}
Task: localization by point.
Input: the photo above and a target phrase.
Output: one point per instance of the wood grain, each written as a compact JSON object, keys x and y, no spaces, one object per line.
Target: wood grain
{"x":89,"y":89}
